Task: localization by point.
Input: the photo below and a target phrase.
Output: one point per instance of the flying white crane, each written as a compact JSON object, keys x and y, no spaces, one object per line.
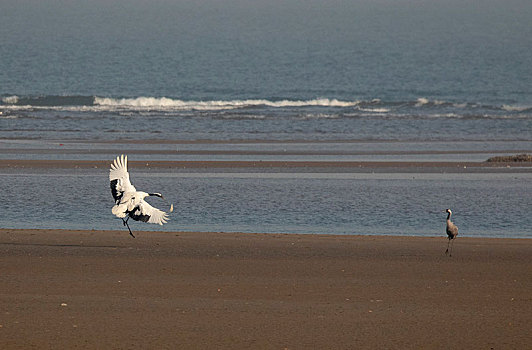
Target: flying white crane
{"x":452,"y":231}
{"x":130,"y":202}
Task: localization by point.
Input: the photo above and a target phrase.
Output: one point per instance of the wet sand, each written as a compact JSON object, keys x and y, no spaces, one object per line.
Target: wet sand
{"x":104,"y":289}
{"x":332,"y":165}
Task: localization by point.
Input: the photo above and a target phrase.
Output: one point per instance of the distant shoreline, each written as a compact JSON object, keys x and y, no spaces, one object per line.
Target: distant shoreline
{"x":237,"y":152}
{"x":59,"y":163}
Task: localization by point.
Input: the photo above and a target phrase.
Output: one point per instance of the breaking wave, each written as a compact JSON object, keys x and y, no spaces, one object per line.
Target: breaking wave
{"x":10,"y":100}
{"x":259,"y":108}
{"x":152,"y":102}
{"x":517,"y":108}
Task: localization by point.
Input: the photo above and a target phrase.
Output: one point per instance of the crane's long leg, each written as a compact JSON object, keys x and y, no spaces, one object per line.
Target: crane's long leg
{"x":451,"y":251}
{"x":126,"y":224}
{"x":447,"y":250}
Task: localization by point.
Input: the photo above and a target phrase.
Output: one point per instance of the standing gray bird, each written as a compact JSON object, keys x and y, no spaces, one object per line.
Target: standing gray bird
{"x":452,"y":232}
{"x":130,"y":202}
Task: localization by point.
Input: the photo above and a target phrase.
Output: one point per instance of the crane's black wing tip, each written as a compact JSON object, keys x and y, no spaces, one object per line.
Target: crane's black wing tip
{"x":117,"y":194}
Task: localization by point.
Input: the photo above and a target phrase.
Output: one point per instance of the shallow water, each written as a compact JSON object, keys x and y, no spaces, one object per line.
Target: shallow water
{"x":487,"y":205}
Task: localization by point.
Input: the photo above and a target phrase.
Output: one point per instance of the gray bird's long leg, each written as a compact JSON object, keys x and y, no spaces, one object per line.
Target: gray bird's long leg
{"x":447,"y":250}
{"x":451,"y":251}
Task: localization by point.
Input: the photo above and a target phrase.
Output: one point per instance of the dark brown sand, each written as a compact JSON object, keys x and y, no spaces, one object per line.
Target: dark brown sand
{"x":64,"y":289}
{"x":331,"y":165}
{"x":130,"y":151}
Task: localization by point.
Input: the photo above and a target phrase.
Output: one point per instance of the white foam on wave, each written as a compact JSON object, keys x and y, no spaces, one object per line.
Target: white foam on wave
{"x":168,"y":103}
{"x":421,"y":101}
{"x":10,"y":99}
{"x":509,"y":108}
{"x":445,"y":115}
{"x":375,"y":110}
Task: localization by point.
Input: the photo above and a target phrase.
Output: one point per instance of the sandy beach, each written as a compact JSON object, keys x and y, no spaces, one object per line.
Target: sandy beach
{"x":303,"y":160}
{"x":104,"y":289}
{"x":336,"y":165}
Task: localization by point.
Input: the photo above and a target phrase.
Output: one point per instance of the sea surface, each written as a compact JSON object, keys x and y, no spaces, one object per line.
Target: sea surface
{"x":238,"y":80}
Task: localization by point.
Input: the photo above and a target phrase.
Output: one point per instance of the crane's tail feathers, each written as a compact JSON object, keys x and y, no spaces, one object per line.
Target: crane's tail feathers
{"x":119,"y":210}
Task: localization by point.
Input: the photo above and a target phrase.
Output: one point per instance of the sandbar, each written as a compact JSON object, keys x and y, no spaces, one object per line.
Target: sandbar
{"x":278,"y":164}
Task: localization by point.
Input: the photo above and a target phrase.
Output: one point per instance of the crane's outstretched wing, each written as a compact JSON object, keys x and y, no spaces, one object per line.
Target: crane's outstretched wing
{"x":146,"y":213}
{"x":119,"y":178}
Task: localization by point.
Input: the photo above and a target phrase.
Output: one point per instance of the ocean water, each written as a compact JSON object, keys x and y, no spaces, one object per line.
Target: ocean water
{"x":237,"y":69}
{"x":273,"y":80}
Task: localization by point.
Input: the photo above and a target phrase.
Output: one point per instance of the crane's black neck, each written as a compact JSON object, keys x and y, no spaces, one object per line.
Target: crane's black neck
{"x":448,"y":215}
{"x":155,"y":195}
